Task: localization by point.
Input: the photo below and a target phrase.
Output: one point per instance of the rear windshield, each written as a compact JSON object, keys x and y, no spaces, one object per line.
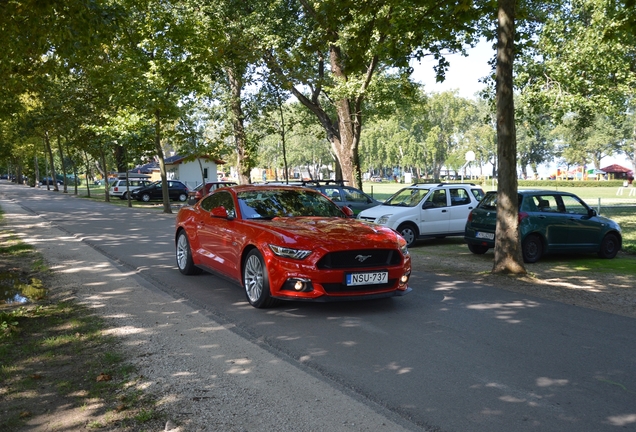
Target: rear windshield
{"x":490,"y":201}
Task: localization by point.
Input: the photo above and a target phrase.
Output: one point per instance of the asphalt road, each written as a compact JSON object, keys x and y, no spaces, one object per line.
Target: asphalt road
{"x":450,"y":356}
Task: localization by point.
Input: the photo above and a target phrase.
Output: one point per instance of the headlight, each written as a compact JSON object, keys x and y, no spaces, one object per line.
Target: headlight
{"x":285,"y":252}
{"x":382,"y":220}
{"x":404,"y":249}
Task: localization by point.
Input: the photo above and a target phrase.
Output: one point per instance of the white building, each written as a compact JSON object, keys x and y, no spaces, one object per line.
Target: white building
{"x":192,"y":171}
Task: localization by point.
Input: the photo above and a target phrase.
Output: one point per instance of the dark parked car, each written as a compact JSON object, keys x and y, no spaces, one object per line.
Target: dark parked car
{"x":549,"y":221}
{"x":176,"y":190}
{"x":203,"y":189}
{"x":49,"y":180}
{"x":342,"y":195}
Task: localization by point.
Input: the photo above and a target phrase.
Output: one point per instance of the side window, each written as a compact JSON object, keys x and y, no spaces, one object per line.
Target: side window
{"x":207,"y":203}
{"x":438,"y":198}
{"x":217,"y":200}
{"x":546,"y":203}
{"x":459,"y":197}
{"x":333,"y":194}
{"x":354,"y":196}
{"x":573,"y":206}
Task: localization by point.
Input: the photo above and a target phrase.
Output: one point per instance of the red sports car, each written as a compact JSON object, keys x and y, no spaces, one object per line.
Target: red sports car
{"x":290,"y":243}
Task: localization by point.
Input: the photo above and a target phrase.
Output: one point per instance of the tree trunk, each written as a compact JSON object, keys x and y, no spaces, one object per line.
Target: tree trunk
{"x":88,"y":170}
{"x":162,"y":164}
{"x":59,"y":148}
{"x":36,"y":171}
{"x":282,"y":139}
{"x":508,"y":257}
{"x":47,"y":144}
{"x":102,"y":156}
{"x":240,"y":138}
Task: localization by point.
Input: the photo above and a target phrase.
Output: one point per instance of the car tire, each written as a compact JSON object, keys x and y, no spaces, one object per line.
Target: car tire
{"x":124,"y":196}
{"x":183,"y":197}
{"x":256,"y":281}
{"x":409,"y":232}
{"x":184,"y":255}
{"x":478,"y":249}
{"x":532,"y":249}
{"x":609,"y":246}
{"x":145,"y":197}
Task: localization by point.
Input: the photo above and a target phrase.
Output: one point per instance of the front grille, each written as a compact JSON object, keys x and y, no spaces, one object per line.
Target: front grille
{"x":340,"y":288}
{"x":365,"y":258}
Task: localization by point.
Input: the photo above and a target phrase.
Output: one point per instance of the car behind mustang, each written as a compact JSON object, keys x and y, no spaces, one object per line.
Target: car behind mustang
{"x":290,"y":243}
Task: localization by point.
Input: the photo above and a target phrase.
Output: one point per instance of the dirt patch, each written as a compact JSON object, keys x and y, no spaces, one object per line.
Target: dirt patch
{"x":604,"y":285}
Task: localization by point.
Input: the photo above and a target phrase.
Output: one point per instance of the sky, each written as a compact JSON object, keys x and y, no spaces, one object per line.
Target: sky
{"x":464,"y":74}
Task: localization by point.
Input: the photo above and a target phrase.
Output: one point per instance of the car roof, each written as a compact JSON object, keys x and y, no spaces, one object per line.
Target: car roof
{"x":434,"y":185}
{"x":537,"y":192}
{"x":261,"y":186}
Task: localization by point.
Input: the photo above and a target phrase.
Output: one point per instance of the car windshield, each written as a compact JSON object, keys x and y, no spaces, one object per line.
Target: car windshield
{"x":268,"y":204}
{"x":408,"y":197}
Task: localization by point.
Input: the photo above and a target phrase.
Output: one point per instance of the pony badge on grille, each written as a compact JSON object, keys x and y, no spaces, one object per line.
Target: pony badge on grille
{"x":362,"y":258}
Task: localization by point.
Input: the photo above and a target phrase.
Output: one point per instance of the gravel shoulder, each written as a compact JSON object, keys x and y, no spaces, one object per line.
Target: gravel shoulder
{"x":566,"y":279}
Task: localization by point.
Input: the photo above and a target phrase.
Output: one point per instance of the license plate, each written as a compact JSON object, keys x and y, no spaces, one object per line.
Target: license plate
{"x":485,"y":235}
{"x":369,"y":278}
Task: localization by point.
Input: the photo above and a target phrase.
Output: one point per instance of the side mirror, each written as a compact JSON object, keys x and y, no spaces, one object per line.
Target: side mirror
{"x":219,"y":212}
{"x":591,"y":213}
{"x":346,"y":210}
{"x":427,"y":205}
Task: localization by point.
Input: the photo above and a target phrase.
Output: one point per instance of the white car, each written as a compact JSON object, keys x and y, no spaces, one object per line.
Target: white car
{"x":118,"y":188}
{"x":427,"y":210}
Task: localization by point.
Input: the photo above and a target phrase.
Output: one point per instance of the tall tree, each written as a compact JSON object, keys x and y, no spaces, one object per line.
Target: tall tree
{"x":328,"y":53}
{"x":508,"y":257}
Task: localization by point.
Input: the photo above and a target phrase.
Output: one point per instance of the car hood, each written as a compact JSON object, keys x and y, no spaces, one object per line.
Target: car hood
{"x":377,"y":211}
{"x":339,"y":233}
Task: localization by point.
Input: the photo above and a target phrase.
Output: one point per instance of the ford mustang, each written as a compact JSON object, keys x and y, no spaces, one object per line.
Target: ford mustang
{"x":290,"y":243}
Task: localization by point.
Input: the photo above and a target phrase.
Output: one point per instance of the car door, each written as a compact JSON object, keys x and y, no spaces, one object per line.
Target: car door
{"x":550,"y":221}
{"x":460,"y":206}
{"x":173,"y":190}
{"x":155,"y":191}
{"x":435,"y":213}
{"x":584,"y":232}
{"x":216,"y":235}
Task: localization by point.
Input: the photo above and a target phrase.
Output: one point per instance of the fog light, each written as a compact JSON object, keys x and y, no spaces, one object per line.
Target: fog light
{"x":404,"y":279}
{"x":298,"y":285}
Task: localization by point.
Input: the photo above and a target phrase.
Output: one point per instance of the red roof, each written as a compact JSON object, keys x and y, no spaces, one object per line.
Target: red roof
{"x":616,"y":169}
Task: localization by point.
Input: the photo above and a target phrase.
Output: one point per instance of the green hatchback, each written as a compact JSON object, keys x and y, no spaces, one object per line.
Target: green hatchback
{"x":549,"y":221}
